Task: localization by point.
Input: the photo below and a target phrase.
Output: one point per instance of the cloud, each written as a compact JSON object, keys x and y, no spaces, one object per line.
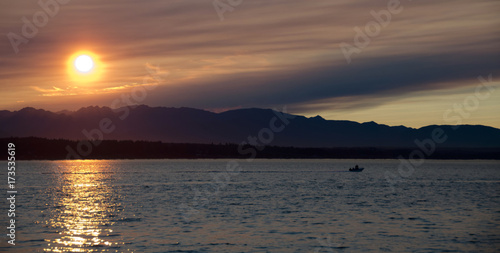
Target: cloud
{"x":385,"y":78}
{"x":264,"y":54}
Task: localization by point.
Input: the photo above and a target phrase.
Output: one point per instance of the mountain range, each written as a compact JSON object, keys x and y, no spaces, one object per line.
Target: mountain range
{"x":254,"y":126}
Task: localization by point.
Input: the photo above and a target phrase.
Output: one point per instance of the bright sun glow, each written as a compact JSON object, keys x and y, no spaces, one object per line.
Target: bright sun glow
{"x":84,"y":63}
{"x":84,"y":66}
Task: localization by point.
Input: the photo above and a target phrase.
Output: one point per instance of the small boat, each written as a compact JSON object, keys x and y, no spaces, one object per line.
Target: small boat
{"x":356,"y":169}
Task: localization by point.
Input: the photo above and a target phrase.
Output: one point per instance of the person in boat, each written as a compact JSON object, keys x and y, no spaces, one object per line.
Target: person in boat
{"x":356,"y":167}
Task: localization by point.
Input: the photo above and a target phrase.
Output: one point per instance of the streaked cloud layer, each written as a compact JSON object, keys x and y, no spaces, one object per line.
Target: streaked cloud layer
{"x":264,"y":54}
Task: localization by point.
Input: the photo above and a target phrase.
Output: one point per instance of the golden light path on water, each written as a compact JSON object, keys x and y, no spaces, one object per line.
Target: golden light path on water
{"x":85,"y":204}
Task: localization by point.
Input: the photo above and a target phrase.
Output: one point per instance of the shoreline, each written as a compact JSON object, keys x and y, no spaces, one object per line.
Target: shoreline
{"x":241,"y":159}
{"x":34,"y":148}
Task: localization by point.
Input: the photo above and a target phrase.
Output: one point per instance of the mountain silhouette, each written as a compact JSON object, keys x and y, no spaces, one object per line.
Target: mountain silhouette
{"x":188,"y":125}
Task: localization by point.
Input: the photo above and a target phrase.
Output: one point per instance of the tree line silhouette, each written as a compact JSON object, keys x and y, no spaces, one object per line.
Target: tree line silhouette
{"x":34,"y":148}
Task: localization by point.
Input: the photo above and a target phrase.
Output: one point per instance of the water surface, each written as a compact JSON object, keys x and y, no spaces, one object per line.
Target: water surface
{"x":259,"y":206}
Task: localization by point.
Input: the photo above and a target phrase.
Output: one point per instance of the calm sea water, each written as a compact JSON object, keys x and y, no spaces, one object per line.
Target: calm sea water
{"x":259,"y":206}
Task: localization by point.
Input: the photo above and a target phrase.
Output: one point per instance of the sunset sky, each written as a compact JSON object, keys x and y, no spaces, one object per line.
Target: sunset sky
{"x":422,"y":63}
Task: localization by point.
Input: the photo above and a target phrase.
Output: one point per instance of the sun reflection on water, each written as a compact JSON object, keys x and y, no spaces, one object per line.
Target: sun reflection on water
{"x":84,"y":207}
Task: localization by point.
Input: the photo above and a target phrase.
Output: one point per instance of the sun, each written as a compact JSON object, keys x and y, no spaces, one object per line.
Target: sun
{"x":84,"y":66}
{"x":84,"y":63}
